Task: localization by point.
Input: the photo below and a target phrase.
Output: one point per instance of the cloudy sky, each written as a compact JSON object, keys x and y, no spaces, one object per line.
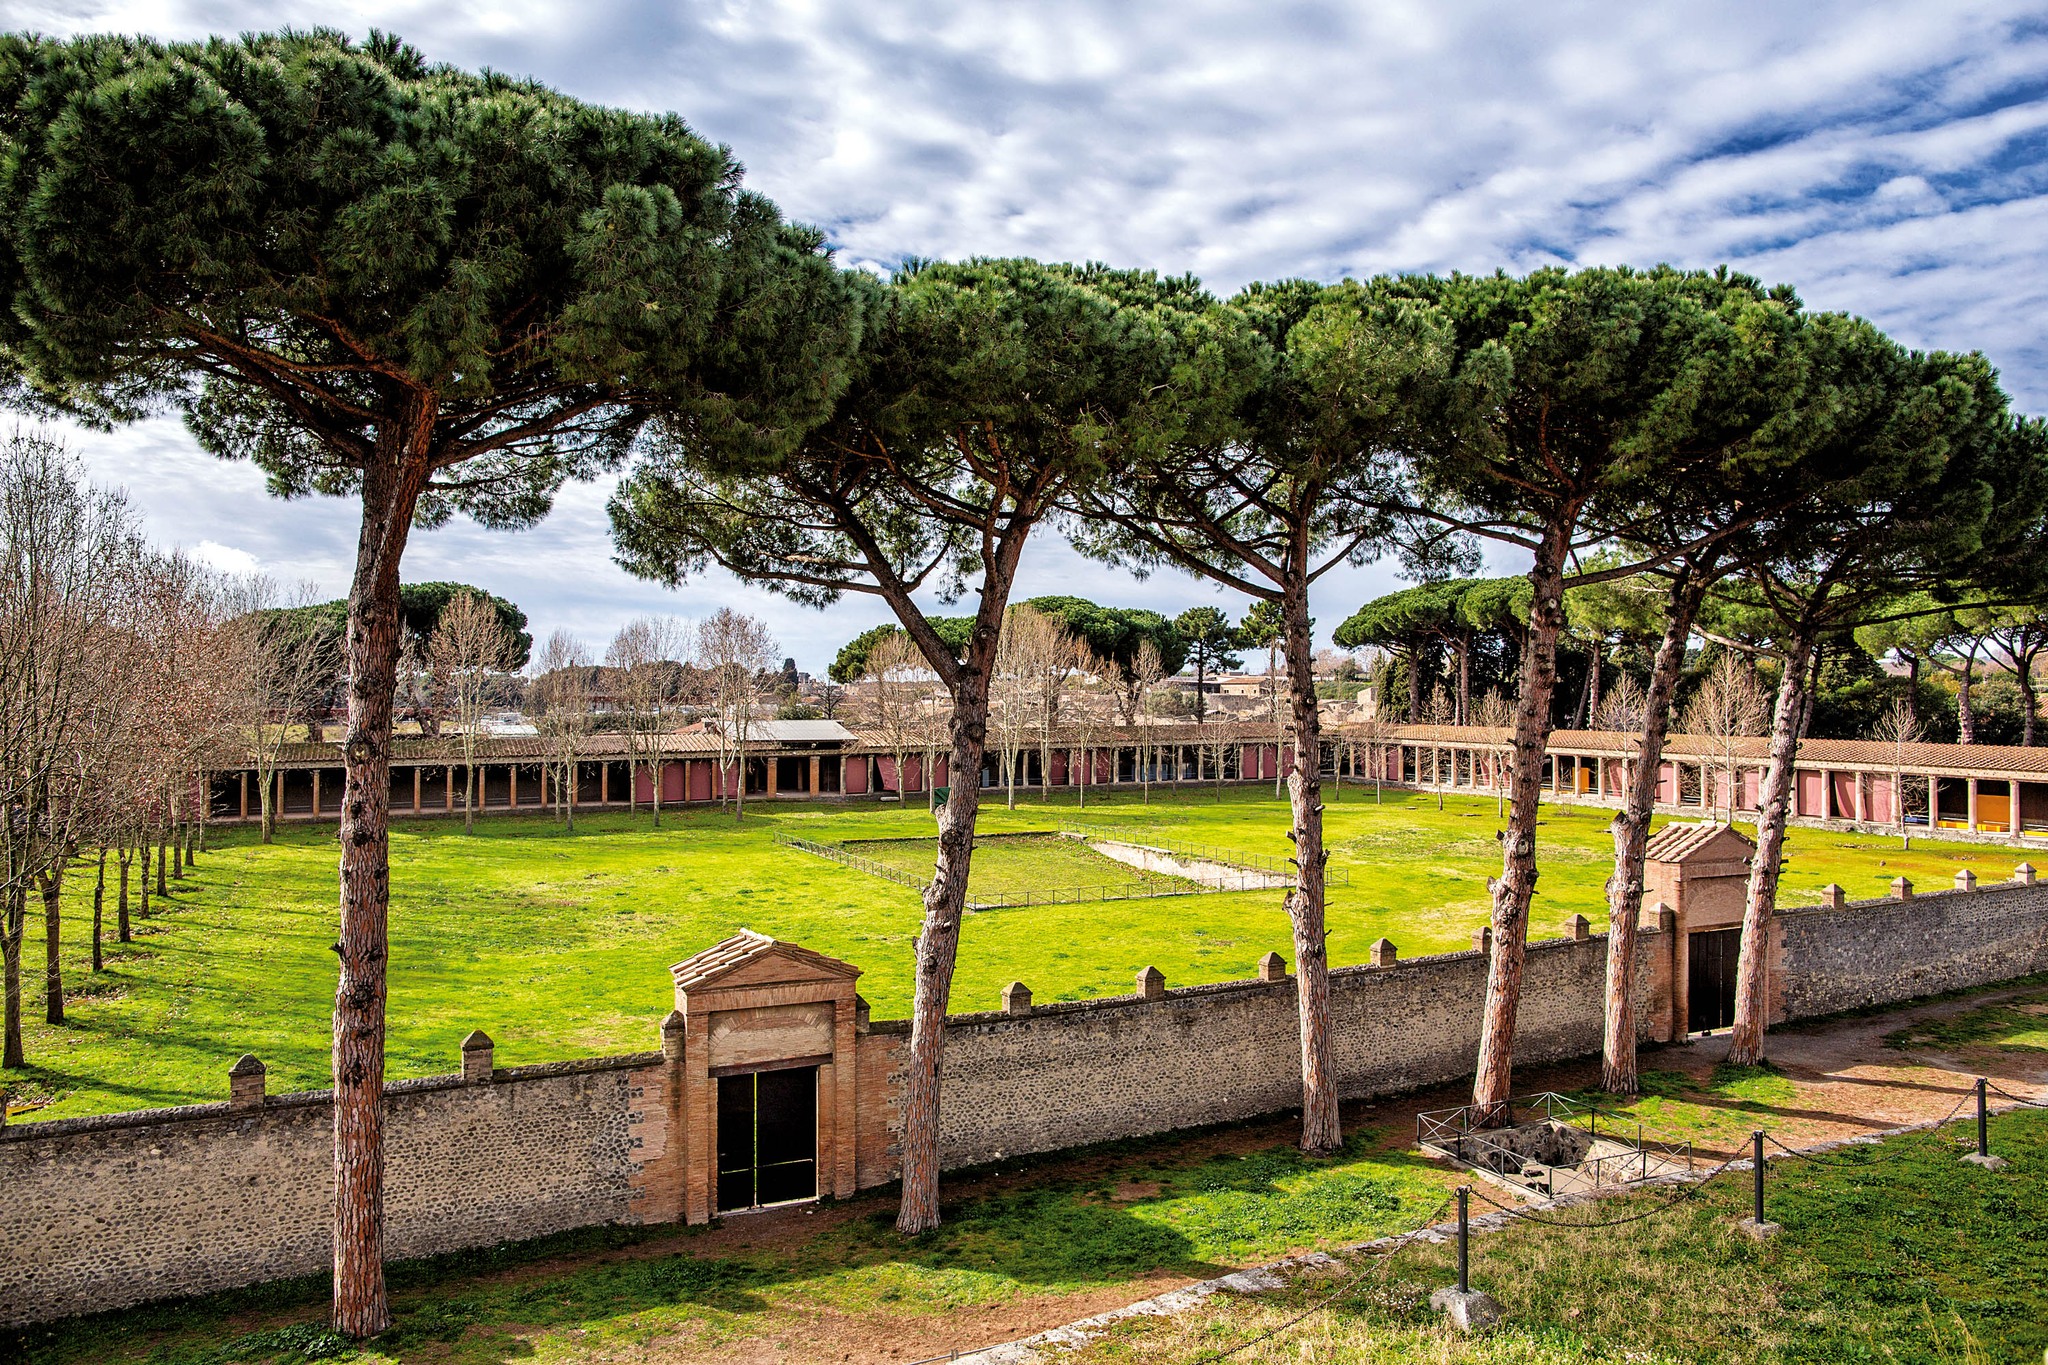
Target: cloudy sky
{"x":1887,"y":158}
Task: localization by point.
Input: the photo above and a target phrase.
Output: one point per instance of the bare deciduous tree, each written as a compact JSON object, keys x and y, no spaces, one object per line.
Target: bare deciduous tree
{"x":647,"y":660}
{"x":286,"y":663}
{"x":1729,"y":707}
{"x":1898,"y":727}
{"x":560,"y":697}
{"x":735,"y":650}
{"x":470,"y":651}
{"x":1148,"y":670}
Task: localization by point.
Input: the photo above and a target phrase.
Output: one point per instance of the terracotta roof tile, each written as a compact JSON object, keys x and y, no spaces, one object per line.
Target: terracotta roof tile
{"x":744,"y":947}
{"x":1940,"y":759}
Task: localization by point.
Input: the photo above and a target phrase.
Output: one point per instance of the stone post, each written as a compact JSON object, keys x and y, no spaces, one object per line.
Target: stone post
{"x":1016,"y":998}
{"x":1482,"y":940}
{"x":1272,"y":967}
{"x":1578,"y":928}
{"x":476,"y":1057}
{"x":1383,"y":952}
{"x":1966,"y":880}
{"x":1902,"y":889}
{"x":245,"y":1083}
{"x":1833,"y":897}
{"x":1152,"y":984}
{"x":2024,"y":874}
{"x":862,"y":1015}
{"x":672,"y":1030}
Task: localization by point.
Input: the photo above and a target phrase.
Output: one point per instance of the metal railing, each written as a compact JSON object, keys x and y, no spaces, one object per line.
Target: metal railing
{"x":1227,"y":857}
{"x":1474,"y":1135}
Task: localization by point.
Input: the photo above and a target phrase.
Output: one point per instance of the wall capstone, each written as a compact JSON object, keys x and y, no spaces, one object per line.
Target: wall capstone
{"x":1016,"y":998}
{"x":477,"y":1050}
{"x":1272,"y":967}
{"x":1384,"y":953}
{"x":1833,"y":896}
{"x":1966,"y":880}
{"x":673,"y":1029}
{"x":1152,"y":984}
{"x":1578,"y":928}
{"x":1902,"y":889}
{"x":2024,"y":874}
{"x":245,"y":1082}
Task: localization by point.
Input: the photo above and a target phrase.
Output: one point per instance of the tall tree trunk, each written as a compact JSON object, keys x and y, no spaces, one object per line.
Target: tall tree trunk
{"x":1494,"y":1073}
{"x":1201,"y":696}
{"x":99,"y":905}
{"x":1966,"y":713}
{"x":10,"y":951}
{"x":266,"y":789}
{"x":938,"y":944}
{"x":1913,"y":689}
{"x":1414,"y":686}
{"x":122,"y":930}
{"x":2030,"y":706}
{"x":1632,"y":835}
{"x":52,"y":885}
{"x":391,"y":490}
{"x":144,"y":908}
{"x":1464,"y":680}
{"x":1321,"y":1129}
{"x":163,"y":858}
{"x":1593,"y":687}
{"x":656,"y":783}
{"x":1788,"y":718}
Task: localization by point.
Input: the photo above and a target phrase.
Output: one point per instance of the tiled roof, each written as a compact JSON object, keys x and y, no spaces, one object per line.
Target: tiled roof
{"x":1940,"y":759}
{"x":1675,"y":843}
{"x":744,"y":947}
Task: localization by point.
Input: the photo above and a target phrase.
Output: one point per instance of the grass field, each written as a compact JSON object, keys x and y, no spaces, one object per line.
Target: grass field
{"x":558,"y":945}
{"x":1896,"y":1253}
{"x":1022,"y":865}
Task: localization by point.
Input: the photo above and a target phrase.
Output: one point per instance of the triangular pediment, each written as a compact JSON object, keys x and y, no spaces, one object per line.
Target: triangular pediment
{"x":751,"y":959}
{"x":1707,"y":842}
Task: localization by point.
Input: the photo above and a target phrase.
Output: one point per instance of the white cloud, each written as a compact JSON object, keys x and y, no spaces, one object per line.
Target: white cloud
{"x":226,"y":558}
{"x":1883,"y":155}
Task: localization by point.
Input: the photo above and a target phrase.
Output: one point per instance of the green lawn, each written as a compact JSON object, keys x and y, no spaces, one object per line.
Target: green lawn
{"x":558,"y":945}
{"x":1897,"y":1254}
{"x":1028,"y":865}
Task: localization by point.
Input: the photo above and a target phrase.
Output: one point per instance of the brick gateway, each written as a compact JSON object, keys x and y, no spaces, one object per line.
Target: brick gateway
{"x":120,"y":1209}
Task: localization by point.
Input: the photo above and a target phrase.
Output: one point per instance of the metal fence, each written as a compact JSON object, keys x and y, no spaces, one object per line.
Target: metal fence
{"x":1228,"y":857}
{"x":1477,"y":1136}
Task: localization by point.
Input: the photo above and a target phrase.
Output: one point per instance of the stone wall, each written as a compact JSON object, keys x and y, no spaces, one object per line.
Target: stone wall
{"x":117,"y":1210}
{"x":1068,"y":1074}
{"x":1884,"y":951}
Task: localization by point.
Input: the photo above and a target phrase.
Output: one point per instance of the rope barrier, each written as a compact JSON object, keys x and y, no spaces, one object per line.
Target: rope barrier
{"x":1691,"y":1190}
{"x":2024,"y":1104}
{"x":1377,"y":1265}
{"x":1877,"y":1155}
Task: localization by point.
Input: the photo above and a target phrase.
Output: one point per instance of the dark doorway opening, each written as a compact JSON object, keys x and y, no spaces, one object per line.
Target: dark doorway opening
{"x":1711,"y":957}
{"x":767,"y":1138}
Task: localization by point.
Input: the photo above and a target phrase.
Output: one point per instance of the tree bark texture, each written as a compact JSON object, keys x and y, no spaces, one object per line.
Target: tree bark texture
{"x":52,"y":886}
{"x":1632,"y":836}
{"x":1966,"y":711}
{"x":99,"y":905}
{"x":122,"y":930}
{"x":1746,"y":1038}
{"x":1493,"y":1075}
{"x":1321,"y":1127}
{"x":10,"y":950}
{"x":391,"y":490}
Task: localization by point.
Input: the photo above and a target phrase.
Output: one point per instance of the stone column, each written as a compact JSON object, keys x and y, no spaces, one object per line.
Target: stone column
{"x":1827,"y":794}
{"x":2012,"y":814}
{"x":814,"y":774}
{"x":511,"y":786}
{"x":771,"y":763}
{"x":316,"y":793}
{"x":604,"y":783}
{"x":1973,"y":805}
{"x":416,"y":790}
{"x":245,"y":1083}
{"x":245,"y":796}
{"x":1933,"y":803}
{"x":448,"y":796}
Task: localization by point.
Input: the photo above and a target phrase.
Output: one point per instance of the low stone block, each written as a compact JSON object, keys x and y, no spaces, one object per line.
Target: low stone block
{"x":1986,"y":1160}
{"x":245,"y":1082}
{"x":2024,"y":874}
{"x":1384,"y":953}
{"x":1902,"y":889}
{"x":1272,"y":967}
{"x":1152,"y":984}
{"x":672,"y":1029}
{"x":1966,"y":880}
{"x":1469,"y":1310}
{"x":1482,"y":940}
{"x":1833,"y":896}
{"x":477,"y":1050}
{"x":1578,"y":928}
{"x":1016,"y":998}
{"x":1758,"y":1232}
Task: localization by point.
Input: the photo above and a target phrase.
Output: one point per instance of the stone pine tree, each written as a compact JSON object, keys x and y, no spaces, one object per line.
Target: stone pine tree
{"x":1211,"y":644}
{"x":429,"y":291}
{"x":984,"y":391}
{"x":1948,"y":497}
{"x":1340,"y":382}
{"x":1583,"y":397}
{"x":1775,"y":452}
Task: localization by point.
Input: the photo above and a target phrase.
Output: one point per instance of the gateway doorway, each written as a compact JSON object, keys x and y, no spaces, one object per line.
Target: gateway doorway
{"x":1711,"y":959}
{"x":767,"y":1138}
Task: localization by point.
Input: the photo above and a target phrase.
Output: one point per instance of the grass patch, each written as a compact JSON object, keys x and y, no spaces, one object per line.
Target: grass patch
{"x":2016,"y":1025}
{"x":558,"y":945}
{"x":1023,"y":864}
{"x":1903,"y":1255}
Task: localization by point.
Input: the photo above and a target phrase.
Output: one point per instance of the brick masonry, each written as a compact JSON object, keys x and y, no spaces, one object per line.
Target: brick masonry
{"x":122,"y":1209}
